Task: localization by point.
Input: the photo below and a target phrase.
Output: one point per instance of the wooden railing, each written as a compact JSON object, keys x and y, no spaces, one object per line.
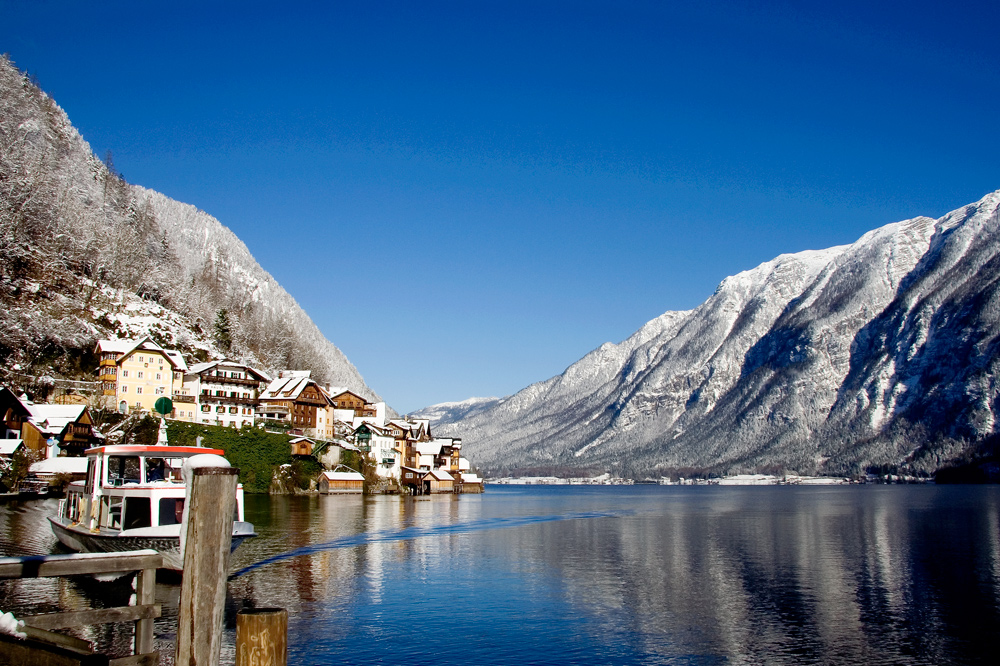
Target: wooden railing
{"x":228,"y":399}
{"x":45,"y":646}
{"x":208,"y":379}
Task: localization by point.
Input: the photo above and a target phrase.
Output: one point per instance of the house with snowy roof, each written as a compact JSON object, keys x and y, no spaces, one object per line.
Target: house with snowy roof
{"x":14,"y":413}
{"x":134,"y":374}
{"x":340,"y":480}
{"x":47,"y":429}
{"x":301,"y":446}
{"x":68,"y":429}
{"x":295,"y":400}
{"x":220,"y":392}
{"x":380,"y":446}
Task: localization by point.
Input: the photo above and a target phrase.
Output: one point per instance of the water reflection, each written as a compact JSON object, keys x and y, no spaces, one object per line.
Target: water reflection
{"x":907,"y":575}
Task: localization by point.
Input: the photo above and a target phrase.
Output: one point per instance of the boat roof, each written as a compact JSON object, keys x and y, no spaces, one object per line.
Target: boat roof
{"x":158,"y":451}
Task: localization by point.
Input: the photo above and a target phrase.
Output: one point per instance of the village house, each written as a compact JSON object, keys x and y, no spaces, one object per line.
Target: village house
{"x":47,"y":430}
{"x":323,"y":422}
{"x":68,"y":429}
{"x":15,"y":414}
{"x":135,"y":374}
{"x":301,"y":446}
{"x":380,"y":446}
{"x":295,"y":400}
{"x":220,"y":393}
{"x":341,"y":480}
{"x":428,"y":482}
{"x":349,"y":404}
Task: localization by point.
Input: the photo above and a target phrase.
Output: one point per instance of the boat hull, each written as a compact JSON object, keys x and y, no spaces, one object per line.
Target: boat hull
{"x":82,"y":540}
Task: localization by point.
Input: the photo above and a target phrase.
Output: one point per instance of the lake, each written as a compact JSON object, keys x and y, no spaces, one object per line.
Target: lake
{"x":598,"y":575}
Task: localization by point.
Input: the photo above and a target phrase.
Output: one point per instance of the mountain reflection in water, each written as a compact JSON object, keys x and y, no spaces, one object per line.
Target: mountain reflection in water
{"x":602,"y":575}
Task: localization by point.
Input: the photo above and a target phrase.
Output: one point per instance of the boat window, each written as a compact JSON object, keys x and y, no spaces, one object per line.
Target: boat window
{"x":156,"y":469}
{"x":90,"y":475}
{"x":123,"y":469}
{"x":115,"y":513}
{"x":171,"y":510}
{"x":136,"y":513}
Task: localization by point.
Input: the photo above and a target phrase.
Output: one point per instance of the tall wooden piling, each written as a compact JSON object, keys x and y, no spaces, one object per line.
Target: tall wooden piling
{"x":208,"y":535}
{"x":262,"y":637}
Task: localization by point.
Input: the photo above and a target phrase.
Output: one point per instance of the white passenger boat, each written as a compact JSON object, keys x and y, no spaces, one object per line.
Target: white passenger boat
{"x":133,"y":498}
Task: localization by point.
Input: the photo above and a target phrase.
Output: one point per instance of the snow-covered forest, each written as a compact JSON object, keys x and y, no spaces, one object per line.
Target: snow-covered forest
{"x":85,"y":255}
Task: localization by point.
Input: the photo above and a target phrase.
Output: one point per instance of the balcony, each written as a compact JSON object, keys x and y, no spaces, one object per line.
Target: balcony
{"x":184,"y":398}
{"x":75,"y":431}
{"x":280,"y":412}
{"x":228,"y":400}
{"x":208,"y":379}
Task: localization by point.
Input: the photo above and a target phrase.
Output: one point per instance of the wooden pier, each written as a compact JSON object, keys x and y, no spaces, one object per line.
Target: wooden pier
{"x":45,"y":647}
{"x":207,"y":532}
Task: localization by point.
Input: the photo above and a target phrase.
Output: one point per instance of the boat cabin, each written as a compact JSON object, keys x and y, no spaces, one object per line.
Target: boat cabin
{"x":133,"y":487}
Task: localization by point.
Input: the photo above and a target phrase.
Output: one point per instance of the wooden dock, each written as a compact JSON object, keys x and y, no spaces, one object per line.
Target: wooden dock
{"x":208,"y":529}
{"x":46,"y":647}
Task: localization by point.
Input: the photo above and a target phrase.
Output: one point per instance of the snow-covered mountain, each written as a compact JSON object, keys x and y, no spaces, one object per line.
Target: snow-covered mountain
{"x":449,"y":412}
{"x":85,"y":255}
{"x":883,"y":352}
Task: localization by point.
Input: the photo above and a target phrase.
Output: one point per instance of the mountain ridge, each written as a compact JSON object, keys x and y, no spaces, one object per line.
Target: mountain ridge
{"x":823,"y":361}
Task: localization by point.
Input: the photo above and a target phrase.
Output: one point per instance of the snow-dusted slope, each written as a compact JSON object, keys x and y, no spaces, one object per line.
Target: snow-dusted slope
{"x":82,"y":251}
{"x":881,"y":352}
{"x":449,"y":412}
{"x":204,"y":247}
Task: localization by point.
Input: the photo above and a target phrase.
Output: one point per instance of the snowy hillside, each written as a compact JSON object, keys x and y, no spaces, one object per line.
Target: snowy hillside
{"x":883,"y":352}
{"x":85,"y":255}
{"x":449,"y":412}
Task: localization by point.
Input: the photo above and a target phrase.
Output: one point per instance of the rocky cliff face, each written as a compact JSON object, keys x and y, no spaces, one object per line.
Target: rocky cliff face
{"x":883,"y":352}
{"x":85,"y":255}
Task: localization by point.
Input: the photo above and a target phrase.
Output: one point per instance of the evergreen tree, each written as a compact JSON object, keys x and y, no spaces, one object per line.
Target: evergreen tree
{"x":223,"y":333}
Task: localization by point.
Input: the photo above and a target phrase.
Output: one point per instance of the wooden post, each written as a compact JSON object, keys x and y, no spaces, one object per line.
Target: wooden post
{"x":145,"y":595}
{"x":209,"y":532}
{"x":262,"y":637}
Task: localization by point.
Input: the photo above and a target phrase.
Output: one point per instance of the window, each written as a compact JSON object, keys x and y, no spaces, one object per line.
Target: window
{"x":138,"y":389}
{"x":124,"y":373}
{"x":124,"y":389}
{"x":140,"y":359}
{"x":140,"y":374}
{"x":158,"y":376}
{"x":122,"y":470}
{"x":171,"y":511}
{"x":206,"y":408}
{"x":159,"y":390}
{"x":234,"y":410}
{"x":220,"y":409}
{"x":136,"y":512}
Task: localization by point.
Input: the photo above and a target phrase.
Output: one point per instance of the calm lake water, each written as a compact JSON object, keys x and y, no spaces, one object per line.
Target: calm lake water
{"x":599,"y":575}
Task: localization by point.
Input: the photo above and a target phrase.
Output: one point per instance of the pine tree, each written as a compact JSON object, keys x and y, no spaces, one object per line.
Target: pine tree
{"x":223,"y":333}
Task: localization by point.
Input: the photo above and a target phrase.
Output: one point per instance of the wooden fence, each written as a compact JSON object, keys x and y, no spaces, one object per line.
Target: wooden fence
{"x":44,"y":646}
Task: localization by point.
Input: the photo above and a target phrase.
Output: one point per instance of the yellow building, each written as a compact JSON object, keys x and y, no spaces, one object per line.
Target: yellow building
{"x":135,"y":374}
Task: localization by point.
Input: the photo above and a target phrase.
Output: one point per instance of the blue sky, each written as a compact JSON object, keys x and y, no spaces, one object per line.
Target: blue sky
{"x":504,"y":186}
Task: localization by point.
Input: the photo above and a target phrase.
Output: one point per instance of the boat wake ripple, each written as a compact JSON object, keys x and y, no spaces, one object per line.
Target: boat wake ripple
{"x":408,"y":533}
